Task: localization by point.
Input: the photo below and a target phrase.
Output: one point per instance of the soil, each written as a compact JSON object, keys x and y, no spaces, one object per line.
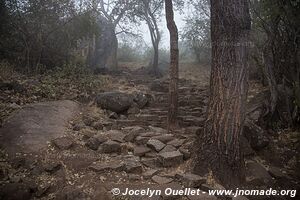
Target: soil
{"x":73,"y":149}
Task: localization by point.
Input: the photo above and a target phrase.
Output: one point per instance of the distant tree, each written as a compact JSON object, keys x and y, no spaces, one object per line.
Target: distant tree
{"x":109,"y":16}
{"x":174,"y":54}
{"x":219,"y":144}
{"x":41,"y":34}
{"x":196,"y":32}
{"x":150,"y":11}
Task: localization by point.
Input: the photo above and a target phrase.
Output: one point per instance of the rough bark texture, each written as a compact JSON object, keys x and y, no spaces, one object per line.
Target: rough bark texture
{"x":219,"y":143}
{"x":173,"y":87}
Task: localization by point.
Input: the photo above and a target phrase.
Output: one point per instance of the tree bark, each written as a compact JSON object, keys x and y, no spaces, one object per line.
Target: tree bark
{"x":174,"y":52}
{"x":219,"y":143}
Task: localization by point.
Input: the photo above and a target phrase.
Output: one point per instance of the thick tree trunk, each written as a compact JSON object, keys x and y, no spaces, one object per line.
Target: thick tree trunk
{"x":112,"y":61}
{"x":104,"y":53}
{"x":155,"y":60}
{"x":173,"y":85}
{"x":270,"y":75}
{"x":219,"y":144}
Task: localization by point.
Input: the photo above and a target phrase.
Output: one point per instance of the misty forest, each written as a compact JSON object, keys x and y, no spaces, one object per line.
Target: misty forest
{"x":100,"y":97}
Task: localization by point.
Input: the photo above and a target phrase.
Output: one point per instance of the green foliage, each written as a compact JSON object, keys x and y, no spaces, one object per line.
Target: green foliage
{"x":196,"y":32}
{"x":40,"y":35}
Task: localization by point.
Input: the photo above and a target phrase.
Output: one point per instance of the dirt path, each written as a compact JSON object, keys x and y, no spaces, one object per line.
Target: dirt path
{"x":100,"y":150}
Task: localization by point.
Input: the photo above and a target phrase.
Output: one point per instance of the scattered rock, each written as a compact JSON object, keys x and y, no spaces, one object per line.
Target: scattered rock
{"x":168,"y":148}
{"x":101,"y":138}
{"x":140,"y":150}
{"x":149,"y":134}
{"x":276,"y":172}
{"x":255,"y":135}
{"x":108,"y":166}
{"x":134,"y":177}
{"x":149,"y":173}
{"x":191,"y":180}
{"x":155,"y":144}
{"x":141,"y":140}
{"x":151,"y":154}
{"x":161,"y":180}
{"x":115,"y":101}
{"x":93,"y":143}
{"x":169,"y":159}
{"x":158,"y":130}
{"x":87,"y":133}
{"x":176,"y":142}
{"x":111,"y":147}
{"x":132,"y":166}
{"x":151,"y":162}
{"x":133,"y":129}
{"x":257,"y":174}
{"x":129,"y":137}
{"x":52,"y":167}
{"x":115,"y":135}
{"x":63,"y":143}
{"x":165,"y":138}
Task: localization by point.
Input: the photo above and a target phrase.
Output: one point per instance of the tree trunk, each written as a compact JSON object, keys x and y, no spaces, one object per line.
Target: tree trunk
{"x":219,"y":143}
{"x":173,"y":85}
{"x":155,"y":59}
{"x":106,"y":47}
{"x":112,"y":61}
{"x":270,"y":75}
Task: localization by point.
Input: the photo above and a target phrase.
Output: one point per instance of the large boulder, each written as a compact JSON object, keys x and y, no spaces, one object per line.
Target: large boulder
{"x":114,"y":101}
{"x":29,"y":129}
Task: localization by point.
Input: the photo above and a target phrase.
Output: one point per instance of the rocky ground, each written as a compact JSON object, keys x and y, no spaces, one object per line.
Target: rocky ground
{"x":116,"y":137}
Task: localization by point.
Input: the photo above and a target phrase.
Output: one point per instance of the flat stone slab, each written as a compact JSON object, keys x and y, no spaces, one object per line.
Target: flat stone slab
{"x":155,"y":144}
{"x":111,"y":147}
{"x":161,"y":180}
{"x":63,"y":143}
{"x":107,"y":166}
{"x":168,"y":148}
{"x":29,"y":129}
{"x":191,"y":180}
{"x":172,"y":158}
{"x":140,"y":150}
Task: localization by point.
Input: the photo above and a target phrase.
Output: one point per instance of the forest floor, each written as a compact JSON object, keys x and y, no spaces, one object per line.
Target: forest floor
{"x":73,"y":149}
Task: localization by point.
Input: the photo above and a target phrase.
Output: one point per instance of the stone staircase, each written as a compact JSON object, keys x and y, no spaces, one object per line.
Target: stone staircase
{"x":192,"y":105}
